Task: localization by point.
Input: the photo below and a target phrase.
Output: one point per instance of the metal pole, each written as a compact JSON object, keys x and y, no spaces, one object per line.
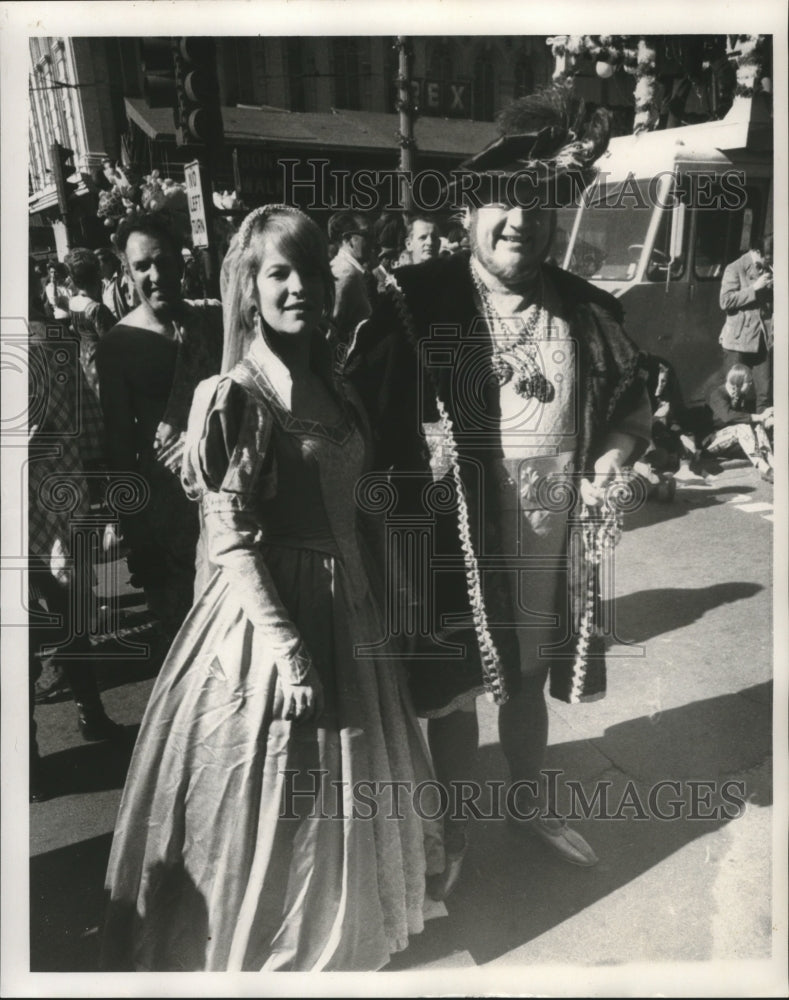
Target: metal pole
{"x":406,"y":108}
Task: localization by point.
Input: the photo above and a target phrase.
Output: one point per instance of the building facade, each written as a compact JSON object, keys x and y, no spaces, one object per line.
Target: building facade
{"x":453,"y":76}
{"x":79,"y":86}
{"x":76,"y":92}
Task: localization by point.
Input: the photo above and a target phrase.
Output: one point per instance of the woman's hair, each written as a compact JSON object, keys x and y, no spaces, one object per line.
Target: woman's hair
{"x":737,"y":378}
{"x":297,"y":238}
{"x":83,"y":268}
{"x":154,"y":224}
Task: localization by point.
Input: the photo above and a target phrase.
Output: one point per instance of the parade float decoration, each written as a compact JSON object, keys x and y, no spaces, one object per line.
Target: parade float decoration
{"x":666,"y":69}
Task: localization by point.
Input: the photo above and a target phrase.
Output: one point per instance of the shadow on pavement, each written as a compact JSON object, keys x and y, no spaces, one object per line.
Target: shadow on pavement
{"x":646,"y":613}
{"x":685,"y":500}
{"x":513,"y":890}
{"x":90,"y":767}
{"x":67,"y":906}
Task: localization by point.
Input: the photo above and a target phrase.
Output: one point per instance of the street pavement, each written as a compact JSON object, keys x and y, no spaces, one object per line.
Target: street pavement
{"x":689,"y":702}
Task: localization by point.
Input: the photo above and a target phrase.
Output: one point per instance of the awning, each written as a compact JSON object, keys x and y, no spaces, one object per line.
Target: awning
{"x":367,"y":131}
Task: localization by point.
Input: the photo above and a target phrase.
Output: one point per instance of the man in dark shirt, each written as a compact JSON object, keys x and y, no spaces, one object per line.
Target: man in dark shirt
{"x":149,"y":365}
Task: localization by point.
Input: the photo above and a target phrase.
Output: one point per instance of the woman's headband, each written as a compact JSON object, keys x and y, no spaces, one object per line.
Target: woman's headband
{"x":247,"y":226}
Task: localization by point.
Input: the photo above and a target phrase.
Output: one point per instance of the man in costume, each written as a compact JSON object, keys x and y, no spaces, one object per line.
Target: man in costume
{"x":505,"y":397}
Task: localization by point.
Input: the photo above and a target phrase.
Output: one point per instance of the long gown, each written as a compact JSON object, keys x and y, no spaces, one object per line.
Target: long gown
{"x":233,"y":849}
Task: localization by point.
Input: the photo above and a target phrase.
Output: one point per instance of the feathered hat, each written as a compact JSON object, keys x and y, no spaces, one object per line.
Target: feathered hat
{"x":549,"y":137}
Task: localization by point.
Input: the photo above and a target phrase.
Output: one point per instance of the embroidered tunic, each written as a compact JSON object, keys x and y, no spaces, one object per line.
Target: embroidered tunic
{"x":423,"y":365}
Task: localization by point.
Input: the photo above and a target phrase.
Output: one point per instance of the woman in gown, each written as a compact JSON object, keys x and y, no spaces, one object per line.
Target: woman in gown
{"x":241,"y":842}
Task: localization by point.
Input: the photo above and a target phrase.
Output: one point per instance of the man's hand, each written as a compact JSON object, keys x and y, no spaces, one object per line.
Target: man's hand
{"x":305,"y":701}
{"x":170,"y":452}
{"x":765,"y":280}
{"x":607,"y":468}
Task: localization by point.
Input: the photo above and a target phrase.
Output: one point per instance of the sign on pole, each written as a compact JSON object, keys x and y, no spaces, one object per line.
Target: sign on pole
{"x":197,"y":212}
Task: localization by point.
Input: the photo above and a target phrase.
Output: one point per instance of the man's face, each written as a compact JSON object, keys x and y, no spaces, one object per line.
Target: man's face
{"x":155,"y":268}
{"x":511,"y":243}
{"x":423,"y":241}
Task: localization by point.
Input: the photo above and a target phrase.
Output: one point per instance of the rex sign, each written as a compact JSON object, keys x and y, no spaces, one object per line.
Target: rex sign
{"x":450,"y":98}
{"x":446,"y":99}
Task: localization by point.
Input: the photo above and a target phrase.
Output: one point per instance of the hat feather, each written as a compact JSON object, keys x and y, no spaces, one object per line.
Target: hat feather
{"x":558,"y":119}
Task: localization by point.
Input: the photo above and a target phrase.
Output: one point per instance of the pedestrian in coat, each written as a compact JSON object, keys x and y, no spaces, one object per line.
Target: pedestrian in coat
{"x":747,"y":299}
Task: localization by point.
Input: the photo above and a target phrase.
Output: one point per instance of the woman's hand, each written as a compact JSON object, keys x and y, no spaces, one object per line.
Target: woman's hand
{"x":302,"y":702}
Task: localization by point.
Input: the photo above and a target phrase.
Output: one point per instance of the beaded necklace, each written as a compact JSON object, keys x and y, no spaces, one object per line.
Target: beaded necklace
{"x":515,"y":353}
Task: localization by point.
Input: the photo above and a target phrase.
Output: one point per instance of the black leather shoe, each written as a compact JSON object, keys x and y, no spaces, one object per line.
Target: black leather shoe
{"x":96,"y":726}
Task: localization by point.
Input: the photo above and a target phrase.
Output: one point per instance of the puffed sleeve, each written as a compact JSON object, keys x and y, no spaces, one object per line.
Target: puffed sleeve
{"x":234,"y":465}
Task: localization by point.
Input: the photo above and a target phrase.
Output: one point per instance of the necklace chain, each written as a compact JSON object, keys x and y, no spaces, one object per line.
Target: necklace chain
{"x":515,"y":357}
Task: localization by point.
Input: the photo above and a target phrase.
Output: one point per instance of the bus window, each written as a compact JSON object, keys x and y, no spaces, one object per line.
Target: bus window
{"x":721,"y":234}
{"x":611,"y":234}
{"x":661,"y":259}
{"x":709,"y":252}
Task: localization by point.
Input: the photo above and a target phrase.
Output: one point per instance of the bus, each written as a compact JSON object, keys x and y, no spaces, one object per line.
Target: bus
{"x":666,"y":214}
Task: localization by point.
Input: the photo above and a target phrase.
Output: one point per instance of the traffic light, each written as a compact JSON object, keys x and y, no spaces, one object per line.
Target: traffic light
{"x":63,"y":169}
{"x":198,"y":111}
{"x":158,"y":68}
